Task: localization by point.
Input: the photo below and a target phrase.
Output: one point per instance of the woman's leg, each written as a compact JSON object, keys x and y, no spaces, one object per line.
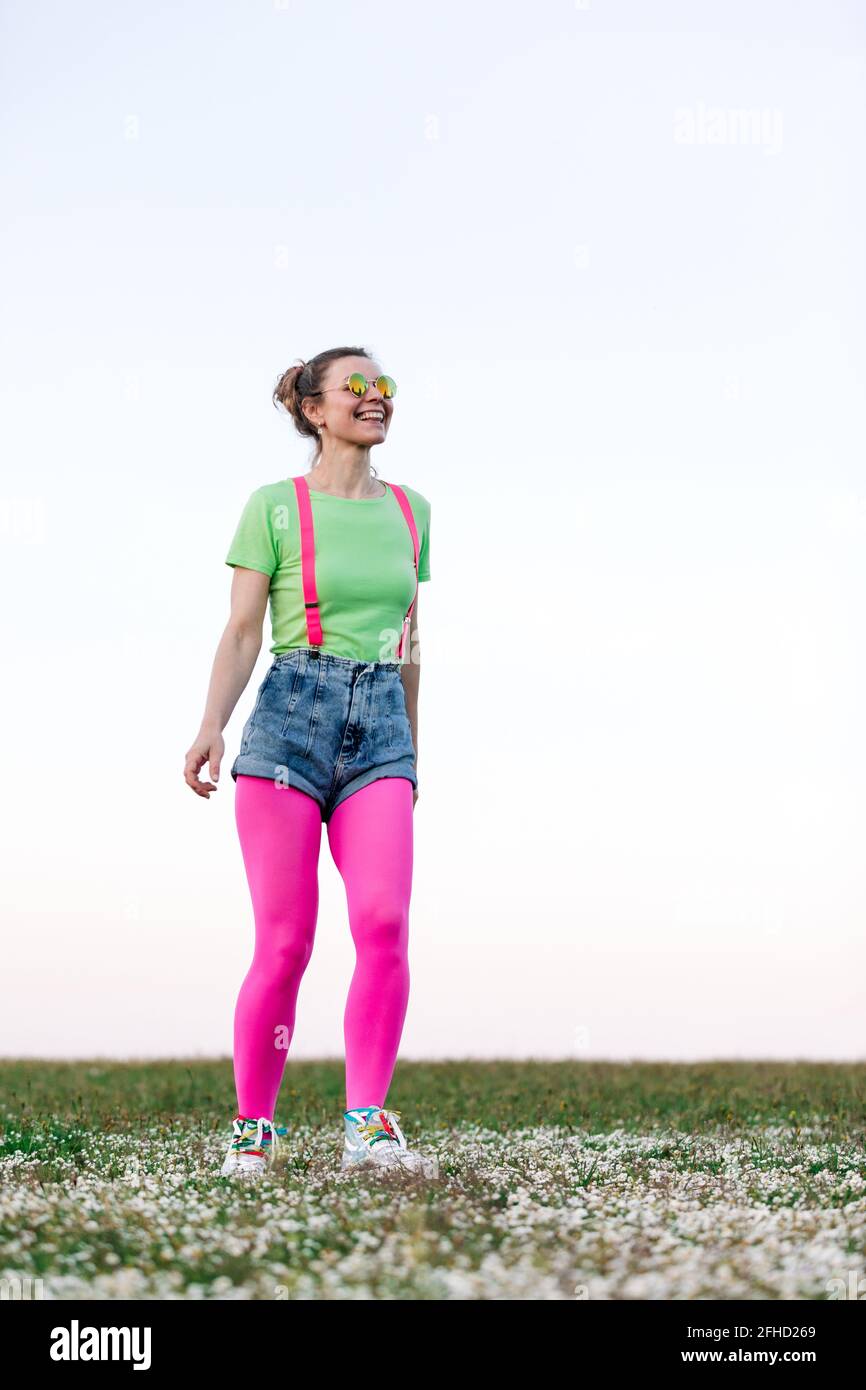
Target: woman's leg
{"x":280,"y":830}
{"x":370,"y":835}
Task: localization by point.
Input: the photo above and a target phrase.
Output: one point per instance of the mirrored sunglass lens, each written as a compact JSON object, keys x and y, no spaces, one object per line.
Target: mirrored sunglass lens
{"x":386,"y":385}
{"x":357,"y":383}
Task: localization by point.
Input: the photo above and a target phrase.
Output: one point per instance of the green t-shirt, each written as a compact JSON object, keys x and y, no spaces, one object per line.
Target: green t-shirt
{"x":365,"y":568}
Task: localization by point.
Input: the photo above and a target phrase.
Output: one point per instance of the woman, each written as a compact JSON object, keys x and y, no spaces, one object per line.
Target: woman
{"x":332,"y":738}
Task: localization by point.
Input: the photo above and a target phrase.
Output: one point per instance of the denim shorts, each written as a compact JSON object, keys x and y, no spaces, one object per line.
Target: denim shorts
{"x":328,"y":726}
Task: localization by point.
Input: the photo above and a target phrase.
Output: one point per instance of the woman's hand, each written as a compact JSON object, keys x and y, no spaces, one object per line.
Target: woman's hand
{"x":207,"y":748}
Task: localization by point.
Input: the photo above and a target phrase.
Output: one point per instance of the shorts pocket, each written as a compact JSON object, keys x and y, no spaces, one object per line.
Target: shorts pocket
{"x":292,"y":699}
{"x":400,"y":736}
{"x":398,"y":730}
{"x":248,"y":727}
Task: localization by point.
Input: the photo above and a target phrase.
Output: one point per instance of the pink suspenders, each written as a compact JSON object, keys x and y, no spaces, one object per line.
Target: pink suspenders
{"x":410,"y":522}
{"x":308,"y":561}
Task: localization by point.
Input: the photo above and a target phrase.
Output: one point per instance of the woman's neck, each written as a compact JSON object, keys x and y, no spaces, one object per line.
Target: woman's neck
{"x":345,"y":478}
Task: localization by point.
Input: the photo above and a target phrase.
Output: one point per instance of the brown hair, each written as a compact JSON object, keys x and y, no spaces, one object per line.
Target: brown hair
{"x":305,"y":379}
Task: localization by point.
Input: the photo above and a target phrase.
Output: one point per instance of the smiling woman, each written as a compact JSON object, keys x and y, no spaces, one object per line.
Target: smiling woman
{"x":331,"y":739}
{"x":292,"y":390}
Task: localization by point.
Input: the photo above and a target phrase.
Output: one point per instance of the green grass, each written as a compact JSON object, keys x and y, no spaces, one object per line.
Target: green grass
{"x":496,"y":1094}
{"x":644,"y":1180}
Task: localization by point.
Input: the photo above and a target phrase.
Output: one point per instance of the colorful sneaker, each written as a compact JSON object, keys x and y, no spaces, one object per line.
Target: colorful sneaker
{"x":252,"y":1147}
{"x":372,"y":1135}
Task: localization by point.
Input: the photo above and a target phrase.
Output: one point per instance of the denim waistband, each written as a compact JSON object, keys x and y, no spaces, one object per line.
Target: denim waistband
{"x":347,"y":662}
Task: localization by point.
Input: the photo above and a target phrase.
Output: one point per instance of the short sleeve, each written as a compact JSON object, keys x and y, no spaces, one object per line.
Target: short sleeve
{"x":254,"y":545}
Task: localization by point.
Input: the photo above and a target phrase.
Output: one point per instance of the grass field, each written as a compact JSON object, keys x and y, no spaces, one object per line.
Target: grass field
{"x":558,"y":1180}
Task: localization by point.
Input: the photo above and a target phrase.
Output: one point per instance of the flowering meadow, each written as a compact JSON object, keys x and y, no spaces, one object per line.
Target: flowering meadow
{"x":558,"y":1180}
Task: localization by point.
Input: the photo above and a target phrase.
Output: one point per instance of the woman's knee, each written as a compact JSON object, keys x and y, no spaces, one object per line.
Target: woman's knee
{"x":286,"y":958}
{"x":381,"y":925}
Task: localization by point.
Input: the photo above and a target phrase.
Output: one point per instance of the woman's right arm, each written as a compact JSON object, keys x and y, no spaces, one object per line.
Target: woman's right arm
{"x":236,"y":655}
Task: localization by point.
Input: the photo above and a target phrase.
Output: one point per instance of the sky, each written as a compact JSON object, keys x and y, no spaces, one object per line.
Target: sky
{"x":612,"y":255}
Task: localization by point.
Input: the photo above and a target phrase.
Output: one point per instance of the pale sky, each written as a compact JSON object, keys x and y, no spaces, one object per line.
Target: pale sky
{"x":612,"y":255}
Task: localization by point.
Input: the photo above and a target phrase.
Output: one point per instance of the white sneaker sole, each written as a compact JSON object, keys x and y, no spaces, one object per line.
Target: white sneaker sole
{"x":388,"y":1158}
{"x":235,"y":1167}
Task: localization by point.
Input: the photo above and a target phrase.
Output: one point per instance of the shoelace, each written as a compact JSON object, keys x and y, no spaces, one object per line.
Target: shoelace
{"x":382,"y":1124}
{"x":258,"y":1137}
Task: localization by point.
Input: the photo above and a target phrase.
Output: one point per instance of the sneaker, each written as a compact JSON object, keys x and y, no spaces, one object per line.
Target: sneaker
{"x":252,"y":1147}
{"x":372,"y":1135}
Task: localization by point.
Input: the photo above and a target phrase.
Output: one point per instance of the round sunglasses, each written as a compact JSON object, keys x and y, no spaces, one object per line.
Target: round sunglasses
{"x":357,"y":383}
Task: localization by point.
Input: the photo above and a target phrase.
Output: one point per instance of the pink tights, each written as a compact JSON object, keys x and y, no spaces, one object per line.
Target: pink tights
{"x":370,"y":835}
